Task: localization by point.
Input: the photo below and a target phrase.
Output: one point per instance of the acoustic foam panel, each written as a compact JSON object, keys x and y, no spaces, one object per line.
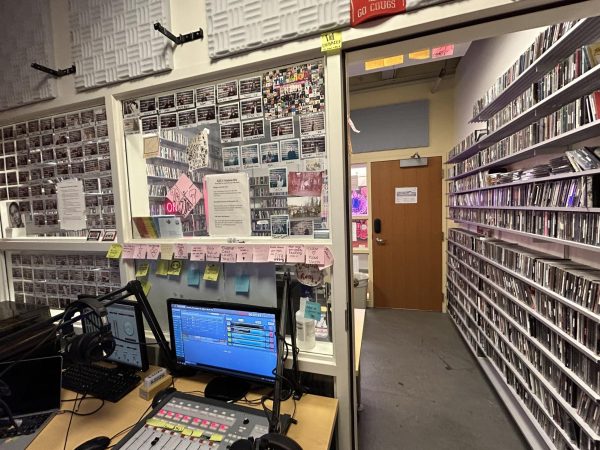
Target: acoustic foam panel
{"x":26,"y":36}
{"x":114,"y":40}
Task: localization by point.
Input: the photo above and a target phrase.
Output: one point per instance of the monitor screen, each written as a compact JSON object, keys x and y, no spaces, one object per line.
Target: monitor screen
{"x":232,"y":339}
{"x":34,"y":385}
{"x":127,"y":328}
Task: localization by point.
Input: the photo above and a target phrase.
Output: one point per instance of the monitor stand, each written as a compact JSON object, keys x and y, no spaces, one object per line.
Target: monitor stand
{"x":227,"y":389}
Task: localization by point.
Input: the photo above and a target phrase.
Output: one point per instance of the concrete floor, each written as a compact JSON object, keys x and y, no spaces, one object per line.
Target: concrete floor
{"x":423,"y":389}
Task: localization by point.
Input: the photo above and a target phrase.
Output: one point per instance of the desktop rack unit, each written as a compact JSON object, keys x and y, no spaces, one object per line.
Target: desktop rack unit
{"x":532,"y":319}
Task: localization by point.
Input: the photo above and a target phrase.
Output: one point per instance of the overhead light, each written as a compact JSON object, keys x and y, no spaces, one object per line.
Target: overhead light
{"x":374,"y":64}
{"x":444,"y":50}
{"x":421,"y":54}
{"x":393,"y":60}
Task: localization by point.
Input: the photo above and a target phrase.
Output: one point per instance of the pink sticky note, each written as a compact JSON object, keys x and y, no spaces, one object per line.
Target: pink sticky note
{"x":244,"y":253}
{"x":277,"y":253}
{"x":185,"y":195}
{"x":295,"y":253}
{"x":315,"y":254}
{"x":198,"y":253}
{"x":228,"y":254}
{"x":444,"y":50}
{"x":153,"y":251}
{"x":139,"y":252}
{"x":328,"y":257}
{"x":213,"y":253}
{"x":260,"y":253}
{"x":180,"y":251}
{"x":128,"y":250}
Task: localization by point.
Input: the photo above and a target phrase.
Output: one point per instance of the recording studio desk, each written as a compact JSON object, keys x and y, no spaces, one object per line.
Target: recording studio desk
{"x":316,"y":417}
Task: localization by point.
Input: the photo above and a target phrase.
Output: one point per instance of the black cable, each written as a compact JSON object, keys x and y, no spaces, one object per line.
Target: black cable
{"x":74,"y":412}
{"x":11,"y":419}
{"x":69,"y":427}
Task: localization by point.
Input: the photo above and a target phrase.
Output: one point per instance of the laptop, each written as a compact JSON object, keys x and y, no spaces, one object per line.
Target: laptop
{"x":34,"y":399}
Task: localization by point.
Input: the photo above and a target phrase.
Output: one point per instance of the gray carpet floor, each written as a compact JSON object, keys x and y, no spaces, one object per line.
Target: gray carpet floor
{"x":423,"y":389}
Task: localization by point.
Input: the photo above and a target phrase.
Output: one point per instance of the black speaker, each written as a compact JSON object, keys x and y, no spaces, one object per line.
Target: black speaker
{"x":271,"y":441}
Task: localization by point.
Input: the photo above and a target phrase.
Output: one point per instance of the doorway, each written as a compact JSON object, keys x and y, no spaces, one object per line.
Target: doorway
{"x":407,"y":255}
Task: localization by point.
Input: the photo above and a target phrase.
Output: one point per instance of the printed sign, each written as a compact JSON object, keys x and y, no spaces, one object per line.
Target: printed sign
{"x":364,"y":10}
{"x":185,"y":195}
{"x":405,"y":195}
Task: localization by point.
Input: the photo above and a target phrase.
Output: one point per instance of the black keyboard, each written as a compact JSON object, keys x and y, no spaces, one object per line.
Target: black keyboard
{"x":28,"y":425}
{"x":101,"y":382}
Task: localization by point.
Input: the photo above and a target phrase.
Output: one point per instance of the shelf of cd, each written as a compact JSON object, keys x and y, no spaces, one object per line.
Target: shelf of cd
{"x":531,"y":208}
{"x":583,"y":85}
{"x":546,"y":352}
{"x":172,"y":144}
{"x":532,"y":370}
{"x":560,"y":176}
{"x":584,"y":32}
{"x":574,"y":136}
{"x":539,"y":237}
{"x":502,"y":375}
{"x":524,"y":418}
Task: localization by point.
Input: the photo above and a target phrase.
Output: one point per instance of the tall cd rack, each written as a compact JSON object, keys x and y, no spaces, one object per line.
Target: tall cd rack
{"x":532,"y":318}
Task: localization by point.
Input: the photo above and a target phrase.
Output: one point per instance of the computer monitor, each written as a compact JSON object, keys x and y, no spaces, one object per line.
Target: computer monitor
{"x":239,"y":341}
{"x":127,"y":327}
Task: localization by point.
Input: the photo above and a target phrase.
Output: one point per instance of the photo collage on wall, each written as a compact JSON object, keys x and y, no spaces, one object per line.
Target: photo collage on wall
{"x":269,"y":124}
{"x":56,"y":280}
{"x":37,"y":154}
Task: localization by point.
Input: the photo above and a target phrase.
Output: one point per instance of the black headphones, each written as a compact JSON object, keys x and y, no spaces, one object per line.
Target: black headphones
{"x":92,"y":346}
{"x":271,"y":441}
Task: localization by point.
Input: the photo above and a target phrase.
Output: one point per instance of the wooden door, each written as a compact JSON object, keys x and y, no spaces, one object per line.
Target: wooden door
{"x":407,"y":250}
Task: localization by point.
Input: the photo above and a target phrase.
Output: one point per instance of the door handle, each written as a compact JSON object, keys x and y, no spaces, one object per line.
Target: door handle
{"x":380,"y":241}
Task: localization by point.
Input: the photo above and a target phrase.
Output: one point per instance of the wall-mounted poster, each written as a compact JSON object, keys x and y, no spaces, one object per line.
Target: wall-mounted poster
{"x":250,"y":156}
{"x":251,"y":87}
{"x":231,"y":158}
{"x":229,"y":112}
{"x":312,"y":124}
{"x":290,"y":149}
{"x":313,"y":147}
{"x":227,"y":91}
{"x":269,"y":153}
{"x":278,"y":179}
{"x":253,"y":129}
{"x":305,"y":183}
{"x":205,"y":95}
{"x":231,"y":132}
{"x":282,"y":128}
{"x":251,"y":108}
{"x":206,"y":114}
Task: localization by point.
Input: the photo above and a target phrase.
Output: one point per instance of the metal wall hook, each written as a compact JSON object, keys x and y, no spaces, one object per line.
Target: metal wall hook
{"x":182,"y":38}
{"x":55,"y":73}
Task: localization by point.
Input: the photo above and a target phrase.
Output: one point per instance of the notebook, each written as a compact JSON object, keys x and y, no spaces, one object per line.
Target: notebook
{"x":34,"y":398}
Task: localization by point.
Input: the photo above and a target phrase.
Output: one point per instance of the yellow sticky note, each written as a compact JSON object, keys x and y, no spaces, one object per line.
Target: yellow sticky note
{"x":211,"y":272}
{"x":196,"y":433}
{"x":179,"y":428}
{"x":146,"y":286}
{"x":420,"y":54}
{"x":216,"y":438}
{"x":142,"y":270}
{"x":166,"y":251}
{"x":153,"y":422}
{"x":169,"y":426}
{"x":175,"y":267}
{"x":114,"y":252}
{"x":331,"y":41}
{"x":374,"y":64}
{"x":162,"y":267}
{"x":187,"y":432}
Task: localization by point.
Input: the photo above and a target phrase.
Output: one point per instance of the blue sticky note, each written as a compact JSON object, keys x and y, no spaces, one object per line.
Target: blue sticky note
{"x":193,"y":275}
{"x":242,"y":284}
{"x":312,"y":311}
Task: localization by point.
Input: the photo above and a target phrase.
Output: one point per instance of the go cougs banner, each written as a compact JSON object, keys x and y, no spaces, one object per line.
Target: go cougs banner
{"x":364,"y":10}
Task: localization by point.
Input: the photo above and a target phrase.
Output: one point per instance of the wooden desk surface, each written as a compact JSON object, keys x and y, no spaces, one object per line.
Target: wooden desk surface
{"x":316,"y":417}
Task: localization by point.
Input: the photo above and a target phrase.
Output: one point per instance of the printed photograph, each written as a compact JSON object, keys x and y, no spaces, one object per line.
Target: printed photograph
{"x":269,"y":152}
{"x":314,"y":165}
{"x":60,"y":122}
{"x":147,"y":105}
{"x":229,"y":113}
{"x":302,"y":228}
{"x":251,"y":87}
{"x":280,"y":225}
{"x":46,"y":124}
{"x":15,"y":219}
{"x":59,"y":139}
{"x":253,"y":129}
{"x":131,"y":125}
{"x":305,"y":183}
{"x":74,"y":136}
{"x":282,"y":128}
{"x":90,"y":132}
{"x":312,"y":124}
{"x":278,"y":179}
{"x":227,"y":91}
{"x":168,"y":120}
{"x":100,"y":115}
{"x":186,"y":119}
{"x":251,"y":108}
{"x":150,"y":124}
{"x":185,"y":99}
{"x":231,"y":158}
{"x":290,"y":149}
{"x":33,"y":126}
{"x":87,"y":117}
{"x":313,"y":147}
{"x":230,"y":132}
{"x":131,"y":108}
{"x":166,"y":103}
{"x":21,"y":129}
{"x":73,"y":121}
{"x":250,"y":155}
{"x":304,"y":207}
{"x":205,"y":95}
{"x":206,"y":114}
